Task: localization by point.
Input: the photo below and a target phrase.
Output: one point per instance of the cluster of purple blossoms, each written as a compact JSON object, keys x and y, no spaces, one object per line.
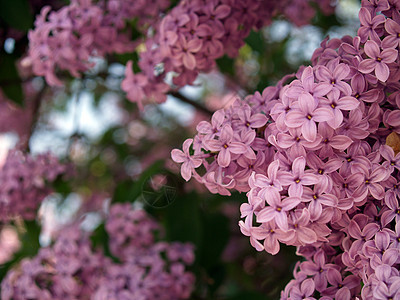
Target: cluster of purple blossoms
{"x":156,"y":272}
{"x":195,"y":33}
{"x":126,"y":236}
{"x":71,"y":269}
{"x":312,"y":156}
{"x":150,"y":269}
{"x":24,"y":183}
{"x":69,"y":39}
{"x":67,"y":270}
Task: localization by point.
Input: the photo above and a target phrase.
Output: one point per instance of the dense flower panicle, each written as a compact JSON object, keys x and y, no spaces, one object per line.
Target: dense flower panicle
{"x":129,"y":230}
{"x":24,"y":183}
{"x":67,"y":270}
{"x":69,"y":38}
{"x":324,"y":175}
{"x":195,"y":33}
{"x":71,"y":269}
{"x":151,"y":269}
{"x":147,"y":277}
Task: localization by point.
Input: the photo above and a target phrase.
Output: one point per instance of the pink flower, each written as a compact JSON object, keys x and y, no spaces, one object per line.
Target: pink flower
{"x":215,"y":184}
{"x":373,"y":176}
{"x":265,"y":101}
{"x":211,"y":37}
{"x":393,"y":211}
{"x":393,"y":39}
{"x":188,"y":162}
{"x":183,"y":53}
{"x":300,"y":222}
{"x":318,"y":200}
{"x":225,"y":145}
{"x":277,"y":209}
{"x":247,"y":210}
{"x":248,"y":121}
{"x":298,"y":177}
{"x":392,"y":160}
{"x":133,"y":85}
{"x":210,"y":130}
{"x":271,"y":236}
{"x":305,"y":291}
{"x":318,"y":268}
{"x":340,"y":288}
{"x":378,"y":60}
{"x":369,"y":25}
{"x":361,"y":236}
{"x":335,"y":75}
{"x":294,"y":142}
{"x":331,"y":141}
{"x":337,"y":104}
{"x":269,"y":182}
{"x":306,"y":114}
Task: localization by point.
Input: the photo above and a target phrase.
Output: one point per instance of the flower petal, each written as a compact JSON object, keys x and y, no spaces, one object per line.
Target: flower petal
{"x":309,"y":130}
{"x":382,"y":71}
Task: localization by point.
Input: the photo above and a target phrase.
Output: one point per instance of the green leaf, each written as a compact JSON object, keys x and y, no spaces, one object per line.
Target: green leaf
{"x":256,"y":41}
{"x":226,"y":65}
{"x":182,"y":220}
{"x":9,"y":79}
{"x":217,"y":274}
{"x":122,"y":192}
{"x":130,"y":191}
{"x":125,"y":57}
{"x":249,"y":296}
{"x":61,"y":186}
{"x":215,"y":237}
{"x":30,"y":239}
{"x":100,"y":239}
{"x":16,"y":13}
{"x":325,"y":22}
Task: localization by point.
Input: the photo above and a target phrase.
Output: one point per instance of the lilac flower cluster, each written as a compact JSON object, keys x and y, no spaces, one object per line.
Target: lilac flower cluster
{"x":126,"y":236}
{"x":69,"y":38}
{"x":144,"y":274}
{"x":313,"y":158}
{"x":67,"y":270}
{"x":71,"y":269}
{"x":195,"y":33}
{"x":24,"y":183}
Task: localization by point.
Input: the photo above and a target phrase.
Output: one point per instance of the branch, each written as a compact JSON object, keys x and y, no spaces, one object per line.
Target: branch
{"x":76,"y":135}
{"x":35,"y":116}
{"x":191,"y":102}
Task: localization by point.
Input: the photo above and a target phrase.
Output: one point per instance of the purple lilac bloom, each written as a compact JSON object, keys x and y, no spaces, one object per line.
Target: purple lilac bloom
{"x":328,"y":181}
{"x":71,"y":269}
{"x":194,"y":34}
{"x":188,"y":162}
{"x":25,"y":183}
{"x":378,"y":60}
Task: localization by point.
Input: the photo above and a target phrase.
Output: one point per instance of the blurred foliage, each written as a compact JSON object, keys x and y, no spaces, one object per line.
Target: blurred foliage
{"x":16,"y":14}
{"x":9,"y":78}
